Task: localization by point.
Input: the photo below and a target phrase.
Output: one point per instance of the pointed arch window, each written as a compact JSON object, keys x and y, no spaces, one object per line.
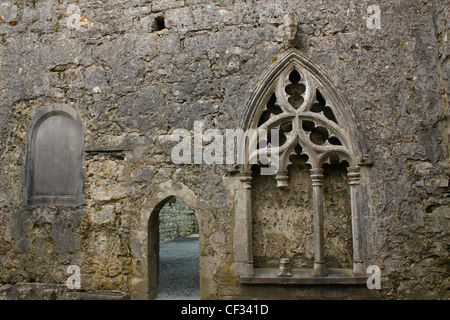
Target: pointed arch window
{"x":298,"y":102}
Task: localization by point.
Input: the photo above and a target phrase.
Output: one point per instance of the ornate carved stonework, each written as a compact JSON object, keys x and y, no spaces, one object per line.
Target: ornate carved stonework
{"x":298,"y":100}
{"x":296,"y":110}
{"x":290,"y":27}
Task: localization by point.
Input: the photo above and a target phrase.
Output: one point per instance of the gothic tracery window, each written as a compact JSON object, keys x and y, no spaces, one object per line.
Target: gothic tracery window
{"x":297,"y":112}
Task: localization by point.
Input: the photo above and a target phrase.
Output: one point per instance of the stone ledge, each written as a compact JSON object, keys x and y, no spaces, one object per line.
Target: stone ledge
{"x":304,"y":277}
{"x":104,"y":295}
{"x":48,"y":291}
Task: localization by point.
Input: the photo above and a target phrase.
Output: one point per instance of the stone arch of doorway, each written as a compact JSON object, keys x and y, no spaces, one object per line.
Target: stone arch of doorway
{"x":142,"y":285}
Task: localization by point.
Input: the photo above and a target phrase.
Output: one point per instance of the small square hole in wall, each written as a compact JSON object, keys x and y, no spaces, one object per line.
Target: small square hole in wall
{"x":159,"y":24}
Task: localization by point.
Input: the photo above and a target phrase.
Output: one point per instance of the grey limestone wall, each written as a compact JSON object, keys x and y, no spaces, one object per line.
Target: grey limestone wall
{"x":176,"y":220}
{"x":133,"y":80}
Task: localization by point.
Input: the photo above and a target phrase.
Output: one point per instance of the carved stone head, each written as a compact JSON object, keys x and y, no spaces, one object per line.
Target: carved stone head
{"x":290,"y":29}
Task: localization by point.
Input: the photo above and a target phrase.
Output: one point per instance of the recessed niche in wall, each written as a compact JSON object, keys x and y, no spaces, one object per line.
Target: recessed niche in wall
{"x":53,"y":169}
{"x":159,"y":24}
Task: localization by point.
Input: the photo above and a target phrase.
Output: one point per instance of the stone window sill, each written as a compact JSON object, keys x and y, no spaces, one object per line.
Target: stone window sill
{"x":303,"y":276}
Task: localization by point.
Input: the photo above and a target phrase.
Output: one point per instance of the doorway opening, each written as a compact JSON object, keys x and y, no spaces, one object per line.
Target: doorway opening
{"x":174,"y":252}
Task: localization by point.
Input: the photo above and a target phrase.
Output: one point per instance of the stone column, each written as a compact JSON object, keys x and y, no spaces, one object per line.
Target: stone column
{"x":319,"y":243}
{"x":354,"y":177}
{"x":243,"y":240}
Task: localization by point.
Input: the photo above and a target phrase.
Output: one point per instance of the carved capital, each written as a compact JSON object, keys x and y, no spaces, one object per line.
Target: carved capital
{"x":354,"y":175}
{"x":317,"y":177}
{"x":246,"y":178}
{"x":282,"y":178}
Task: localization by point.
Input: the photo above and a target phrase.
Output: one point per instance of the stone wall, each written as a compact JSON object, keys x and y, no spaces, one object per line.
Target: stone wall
{"x":176,"y":220}
{"x":283,"y":219}
{"x":133,"y":81}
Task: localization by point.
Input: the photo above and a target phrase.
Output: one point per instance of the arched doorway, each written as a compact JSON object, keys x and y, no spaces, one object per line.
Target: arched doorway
{"x":173,"y":242}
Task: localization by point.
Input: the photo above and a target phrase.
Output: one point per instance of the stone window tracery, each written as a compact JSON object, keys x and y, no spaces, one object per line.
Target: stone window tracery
{"x":313,"y":121}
